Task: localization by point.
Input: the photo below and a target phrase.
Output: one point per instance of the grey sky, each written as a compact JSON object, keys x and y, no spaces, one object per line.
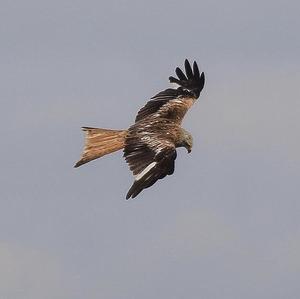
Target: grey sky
{"x":225,"y":225}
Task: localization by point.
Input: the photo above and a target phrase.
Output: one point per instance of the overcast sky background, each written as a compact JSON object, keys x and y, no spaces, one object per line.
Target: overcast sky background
{"x":225,"y":225}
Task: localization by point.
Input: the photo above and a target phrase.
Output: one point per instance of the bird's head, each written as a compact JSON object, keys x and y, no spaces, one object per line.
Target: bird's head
{"x":186,"y":140}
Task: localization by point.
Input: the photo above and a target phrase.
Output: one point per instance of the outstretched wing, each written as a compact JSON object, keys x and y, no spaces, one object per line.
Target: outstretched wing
{"x":174,"y":103}
{"x":150,"y":159}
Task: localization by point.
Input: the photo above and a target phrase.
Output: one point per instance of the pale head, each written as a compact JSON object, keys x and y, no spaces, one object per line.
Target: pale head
{"x":185,"y":140}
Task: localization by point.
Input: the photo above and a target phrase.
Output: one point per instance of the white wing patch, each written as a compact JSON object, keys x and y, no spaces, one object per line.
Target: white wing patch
{"x":142,"y":173}
{"x":177,"y":101}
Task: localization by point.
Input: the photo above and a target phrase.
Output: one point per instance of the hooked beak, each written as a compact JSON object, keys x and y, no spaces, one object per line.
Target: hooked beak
{"x":189,"y":150}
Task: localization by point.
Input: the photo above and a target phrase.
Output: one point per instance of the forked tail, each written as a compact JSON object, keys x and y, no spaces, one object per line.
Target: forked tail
{"x":100,"y":142}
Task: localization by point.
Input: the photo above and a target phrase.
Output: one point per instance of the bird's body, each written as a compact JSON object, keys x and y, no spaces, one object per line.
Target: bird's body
{"x":150,"y":143}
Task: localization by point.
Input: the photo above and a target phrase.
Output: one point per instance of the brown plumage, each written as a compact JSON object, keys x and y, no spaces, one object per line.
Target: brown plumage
{"x":150,"y":143}
{"x":100,"y":142}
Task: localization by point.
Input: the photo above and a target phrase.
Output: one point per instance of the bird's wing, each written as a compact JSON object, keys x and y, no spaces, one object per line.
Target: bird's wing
{"x":174,"y":103}
{"x":150,"y":159}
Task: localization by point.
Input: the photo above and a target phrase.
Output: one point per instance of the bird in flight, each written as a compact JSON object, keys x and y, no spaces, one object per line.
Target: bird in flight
{"x":149,"y":145}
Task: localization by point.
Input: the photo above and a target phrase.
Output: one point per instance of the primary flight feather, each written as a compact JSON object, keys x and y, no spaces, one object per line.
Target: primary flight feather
{"x":150,"y":144}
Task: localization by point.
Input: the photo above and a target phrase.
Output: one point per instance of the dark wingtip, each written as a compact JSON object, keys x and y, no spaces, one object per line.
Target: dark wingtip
{"x":174,"y":80}
{"x":180,"y":74}
{"x":130,"y":195}
{"x":202,"y":79}
{"x":130,"y":192}
{"x":186,"y":63}
{"x":196,"y":70}
{"x":134,"y":190}
{"x":191,"y":79}
{"x":188,"y":69}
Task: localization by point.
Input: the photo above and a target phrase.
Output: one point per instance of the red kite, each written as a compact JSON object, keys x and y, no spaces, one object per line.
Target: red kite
{"x":149,"y":145}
